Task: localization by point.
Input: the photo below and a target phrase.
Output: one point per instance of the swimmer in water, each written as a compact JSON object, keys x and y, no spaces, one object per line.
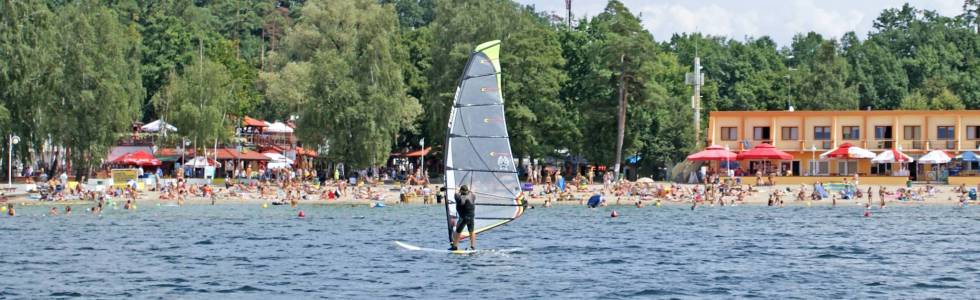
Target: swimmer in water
{"x":128,"y":205}
{"x":10,"y":210}
{"x":53,"y":211}
{"x":67,"y":210}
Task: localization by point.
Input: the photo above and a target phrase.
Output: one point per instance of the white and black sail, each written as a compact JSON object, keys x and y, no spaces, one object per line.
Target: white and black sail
{"x":478,"y":152}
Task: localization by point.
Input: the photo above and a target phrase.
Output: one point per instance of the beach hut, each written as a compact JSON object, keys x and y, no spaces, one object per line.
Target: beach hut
{"x":847,"y":152}
{"x":713,"y":153}
{"x":893,"y":156}
{"x":764,"y":152}
{"x":937,"y":158}
{"x":969,"y":160}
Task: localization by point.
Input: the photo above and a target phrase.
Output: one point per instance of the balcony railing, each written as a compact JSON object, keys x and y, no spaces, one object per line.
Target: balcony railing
{"x":913,"y":145}
{"x":943,"y":145}
{"x":882,"y":144}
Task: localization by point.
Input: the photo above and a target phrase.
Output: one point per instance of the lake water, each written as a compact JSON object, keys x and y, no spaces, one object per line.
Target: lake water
{"x":243,"y":251}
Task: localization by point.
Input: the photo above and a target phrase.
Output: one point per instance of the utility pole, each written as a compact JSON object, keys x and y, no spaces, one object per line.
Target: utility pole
{"x":696,"y":79}
{"x":568,"y":10}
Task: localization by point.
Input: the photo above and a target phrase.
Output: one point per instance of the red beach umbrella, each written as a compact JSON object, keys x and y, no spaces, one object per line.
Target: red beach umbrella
{"x":138,"y":158}
{"x":713,"y":152}
{"x":764,"y":151}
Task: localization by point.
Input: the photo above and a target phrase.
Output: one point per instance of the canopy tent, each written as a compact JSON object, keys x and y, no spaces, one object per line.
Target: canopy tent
{"x":138,"y":158}
{"x":157,"y":125}
{"x":118,"y":151}
{"x":935,"y":157}
{"x":713,"y":152}
{"x":891,"y":156}
{"x":201,"y":162}
{"x":415,"y":153}
{"x":278,"y":161}
{"x":968,"y":156}
{"x":764,"y":151}
{"x":848,"y":151}
{"x":278,"y":127}
{"x":253,"y":122}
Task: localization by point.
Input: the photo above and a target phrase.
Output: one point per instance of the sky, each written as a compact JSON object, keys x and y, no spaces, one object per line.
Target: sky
{"x":738,"y":19}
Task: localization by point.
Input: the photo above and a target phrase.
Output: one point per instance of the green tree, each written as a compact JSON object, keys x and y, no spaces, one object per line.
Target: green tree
{"x":198,"y":101}
{"x":824,"y":81}
{"x":532,"y":71}
{"x":28,"y":74}
{"x":99,"y":90}
{"x":946,"y":100}
{"x":358,"y":102}
{"x":914,"y":101}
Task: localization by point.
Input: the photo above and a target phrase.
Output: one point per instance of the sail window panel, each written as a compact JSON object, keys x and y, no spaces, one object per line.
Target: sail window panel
{"x":485,"y":121}
{"x":486,"y":184}
{"x":481,"y":90}
{"x":480,"y":65}
{"x":482,"y":154}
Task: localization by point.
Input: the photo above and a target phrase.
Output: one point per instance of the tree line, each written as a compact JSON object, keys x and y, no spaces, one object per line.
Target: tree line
{"x":363,"y":77}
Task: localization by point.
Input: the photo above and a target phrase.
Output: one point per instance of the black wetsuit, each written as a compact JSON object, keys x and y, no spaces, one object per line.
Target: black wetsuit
{"x":466,"y":208}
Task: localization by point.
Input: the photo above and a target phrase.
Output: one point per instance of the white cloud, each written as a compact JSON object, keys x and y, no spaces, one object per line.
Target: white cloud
{"x":779,"y":19}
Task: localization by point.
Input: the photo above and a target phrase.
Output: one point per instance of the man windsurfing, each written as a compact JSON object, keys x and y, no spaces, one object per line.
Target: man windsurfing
{"x":466,"y":209}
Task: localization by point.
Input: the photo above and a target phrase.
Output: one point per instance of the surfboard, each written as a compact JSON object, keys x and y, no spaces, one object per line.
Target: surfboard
{"x":411,"y":247}
{"x":417,"y":248}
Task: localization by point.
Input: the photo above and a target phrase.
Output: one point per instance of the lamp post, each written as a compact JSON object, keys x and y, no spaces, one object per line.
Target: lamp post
{"x":13,"y":140}
{"x":728,"y":164}
{"x":813,"y":160}
{"x":901,"y":164}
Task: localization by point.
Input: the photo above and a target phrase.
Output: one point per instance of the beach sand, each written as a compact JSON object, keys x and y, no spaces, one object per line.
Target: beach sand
{"x":944,"y":195}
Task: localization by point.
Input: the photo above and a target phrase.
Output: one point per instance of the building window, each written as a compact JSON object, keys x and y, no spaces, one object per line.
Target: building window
{"x":851,"y":132}
{"x":791,"y":133}
{"x":821,"y":132}
{"x":973,"y":132}
{"x":881,"y":169}
{"x":913,"y":133}
{"x":729,"y":133}
{"x":846,"y":167}
{"x":818,"y":167}
{"x":945,"y":133}
{"x":883,"y":132}
{"x":760,"y":133}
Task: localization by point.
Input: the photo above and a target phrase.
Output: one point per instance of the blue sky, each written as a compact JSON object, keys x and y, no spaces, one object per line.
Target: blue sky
{"x":739,"y":19}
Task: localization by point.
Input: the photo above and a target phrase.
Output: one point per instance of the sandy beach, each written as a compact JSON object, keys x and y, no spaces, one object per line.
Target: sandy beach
{"x":390,"y":194}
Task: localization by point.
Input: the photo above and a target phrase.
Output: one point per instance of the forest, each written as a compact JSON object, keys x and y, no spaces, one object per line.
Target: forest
{"x":364,"y":78}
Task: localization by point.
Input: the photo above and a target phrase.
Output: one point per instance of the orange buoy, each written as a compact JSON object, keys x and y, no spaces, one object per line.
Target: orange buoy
{"x":614,"y":214}
{"x":302,"y":214}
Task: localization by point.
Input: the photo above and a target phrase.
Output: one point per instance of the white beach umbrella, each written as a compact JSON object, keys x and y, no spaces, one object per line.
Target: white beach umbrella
{"x":935,"y":157}
{"x":892,"y":156}
{"x":156,"y":125}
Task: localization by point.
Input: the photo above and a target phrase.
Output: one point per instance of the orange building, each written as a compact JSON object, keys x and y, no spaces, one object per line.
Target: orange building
{"x":807,"y":134}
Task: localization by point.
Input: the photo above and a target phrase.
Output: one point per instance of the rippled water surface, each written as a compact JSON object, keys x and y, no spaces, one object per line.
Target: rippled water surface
{"x":570,"y":252}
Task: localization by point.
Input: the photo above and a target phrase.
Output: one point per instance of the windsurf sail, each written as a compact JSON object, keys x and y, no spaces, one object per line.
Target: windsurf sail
{"x":478,"y":152}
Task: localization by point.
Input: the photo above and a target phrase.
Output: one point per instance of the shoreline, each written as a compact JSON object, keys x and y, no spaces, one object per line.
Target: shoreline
{"x":943,"y":196}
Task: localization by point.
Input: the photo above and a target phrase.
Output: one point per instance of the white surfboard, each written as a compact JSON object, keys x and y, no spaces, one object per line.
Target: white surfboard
{"x":411,"y":247}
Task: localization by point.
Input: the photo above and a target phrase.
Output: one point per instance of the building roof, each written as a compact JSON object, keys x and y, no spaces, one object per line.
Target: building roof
{"x":253,"y":122}
{"x":768,"y":113}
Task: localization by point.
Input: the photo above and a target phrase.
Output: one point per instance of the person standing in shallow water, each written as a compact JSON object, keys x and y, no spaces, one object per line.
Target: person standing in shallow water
{"x":10,"y":210}
{"x":466,"y":209}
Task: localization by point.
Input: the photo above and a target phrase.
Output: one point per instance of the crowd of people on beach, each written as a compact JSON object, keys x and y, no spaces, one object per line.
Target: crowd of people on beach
{"x":286,"y":187}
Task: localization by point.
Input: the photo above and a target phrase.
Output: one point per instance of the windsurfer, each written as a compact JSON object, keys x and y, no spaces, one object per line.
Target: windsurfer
{"x":466,"y":208}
